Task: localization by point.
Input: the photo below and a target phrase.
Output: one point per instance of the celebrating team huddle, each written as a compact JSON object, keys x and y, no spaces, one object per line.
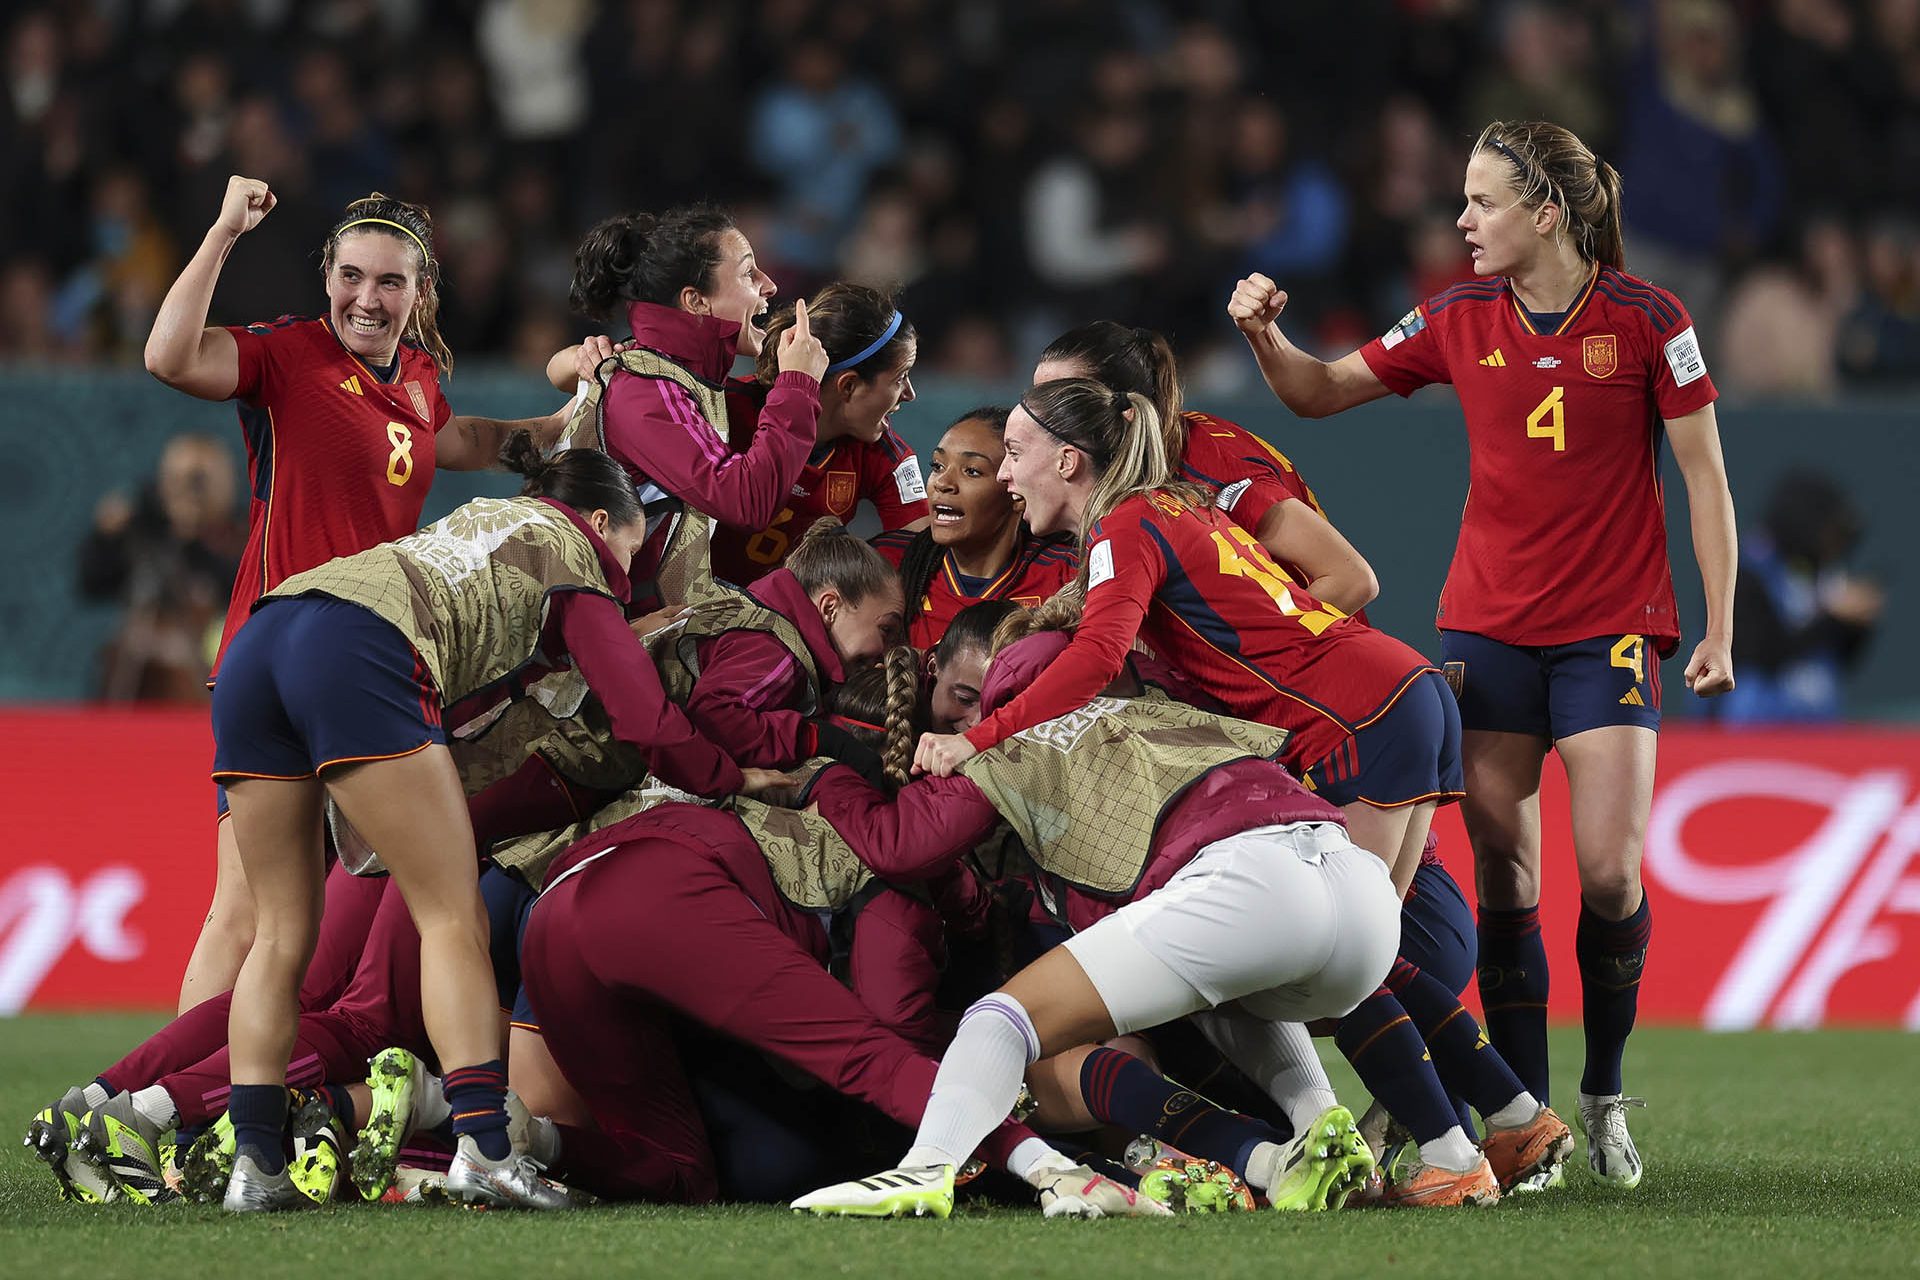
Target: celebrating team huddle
{"x":648,"y":836}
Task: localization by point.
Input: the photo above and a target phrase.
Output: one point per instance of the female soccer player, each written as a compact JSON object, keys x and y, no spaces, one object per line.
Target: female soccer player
{"x":1373,"y":727}
{"x":344,"y":423}
{"x":1568,"y":371}
{"x":871,"y":348}
{"x":1196,"y":873}
{"x":957,"y":666}
{"x":1253,"y":482}
{"x":338,"y":688}
{"x":690,"y":290}
{"x":978,"y":547}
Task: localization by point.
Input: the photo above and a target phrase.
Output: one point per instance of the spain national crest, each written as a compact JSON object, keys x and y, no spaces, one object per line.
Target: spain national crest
{"x":1600,"y":354}
{"x":419,"y":398}
{"x":841,"y":492}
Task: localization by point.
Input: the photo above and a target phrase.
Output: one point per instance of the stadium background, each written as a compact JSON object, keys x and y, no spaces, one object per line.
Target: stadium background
{"x":1016,"y":168}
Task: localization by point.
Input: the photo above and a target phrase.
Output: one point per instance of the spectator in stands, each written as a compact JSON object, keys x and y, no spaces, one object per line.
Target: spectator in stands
{"x":168,"y":557}
{"x":1880,"y":338}
{"x":820,"y":134}
{"x":1697,"y":158}
{"x":1801,"y":617}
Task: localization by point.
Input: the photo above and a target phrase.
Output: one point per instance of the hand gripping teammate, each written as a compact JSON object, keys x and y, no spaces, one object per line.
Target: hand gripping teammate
{"x":1559,"y":603}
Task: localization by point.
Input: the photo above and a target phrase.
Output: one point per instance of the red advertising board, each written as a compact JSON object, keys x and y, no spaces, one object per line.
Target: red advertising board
{"x":1784,"y":870}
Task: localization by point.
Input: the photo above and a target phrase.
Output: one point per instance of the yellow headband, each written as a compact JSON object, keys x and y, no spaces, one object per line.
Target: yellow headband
{"x":426,"y":257}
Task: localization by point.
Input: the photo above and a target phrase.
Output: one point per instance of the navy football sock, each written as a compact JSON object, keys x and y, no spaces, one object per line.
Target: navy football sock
{"x":1120,"y":1089}
{"x":1385,"y":1048}
{"x":259,"y":1115}
{"x":1466,"y":1062}
{"x":1611,"y":954}
{"x":340,"y":1099}
{"x":1513,"y":992}
{"x":478,"y":1097}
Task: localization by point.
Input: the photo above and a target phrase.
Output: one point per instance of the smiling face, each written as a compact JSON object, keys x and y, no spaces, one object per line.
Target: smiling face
{"x":957,"y":682}
{"x":1503,"y":235}
{"x":862,"y":407}
{"x":1034,"y":471}
{"x":862,"y":632}
{"x":739,"y":291}
{"x":372,"y":287}
{"x":970,"y":505}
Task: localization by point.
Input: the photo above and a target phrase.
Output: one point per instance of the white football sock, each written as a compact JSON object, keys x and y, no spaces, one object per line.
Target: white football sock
{"x":1277,"y":1056}
{"x":430,"y":1106}
{"x":95,"y":1093}
{"x":1452,"y":1151}
{"x":1263,"y":1166}
{"x":1033,"y":1157}
{"x":1516,"y":1113}
{"x":978,"y":1081}
{"x":156,"y":1104}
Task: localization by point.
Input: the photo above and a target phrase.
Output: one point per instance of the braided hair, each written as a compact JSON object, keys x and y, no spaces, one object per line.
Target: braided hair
{"x":879,"y":705}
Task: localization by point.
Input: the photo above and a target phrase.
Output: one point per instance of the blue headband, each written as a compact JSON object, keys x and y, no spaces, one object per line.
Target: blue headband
{"x":886,"y":336}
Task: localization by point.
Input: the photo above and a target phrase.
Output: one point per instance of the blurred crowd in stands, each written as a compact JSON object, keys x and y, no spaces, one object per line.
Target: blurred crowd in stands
{"x":1017,"y":166}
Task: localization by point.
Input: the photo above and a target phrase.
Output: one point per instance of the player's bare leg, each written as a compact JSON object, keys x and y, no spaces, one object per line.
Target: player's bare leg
{"x":227,"y":931}
{"x":413,"y":812}
{"x":536,"y":1078}
{"x":277,"y":826}
{"x":1610,"y":782}
{"x":1383,"y":833}
{"x":1502,"y":814}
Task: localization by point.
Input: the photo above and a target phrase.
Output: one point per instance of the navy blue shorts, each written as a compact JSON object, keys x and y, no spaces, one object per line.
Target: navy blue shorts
{"x":1437,"y":933}
{"x":1409,"y":755}
{"x":509,"y":901}
{"x":1554,"y":691}
{"x":312,"y":682}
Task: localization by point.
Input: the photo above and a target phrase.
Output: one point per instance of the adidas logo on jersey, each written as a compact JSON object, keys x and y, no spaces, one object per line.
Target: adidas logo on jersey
{"x":1547,"y":362}
{"x":352,"y":384}
{"x":1494,"y":361}
{"x":1633,"y":699}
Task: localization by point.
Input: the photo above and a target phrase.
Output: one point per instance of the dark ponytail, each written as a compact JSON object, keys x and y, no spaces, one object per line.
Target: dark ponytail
{"x":584,"y":479}
{"x":848,"y":319}
{"x":644,"y":257}
{"x":973,"y":628}
{"x":1130,"y":360}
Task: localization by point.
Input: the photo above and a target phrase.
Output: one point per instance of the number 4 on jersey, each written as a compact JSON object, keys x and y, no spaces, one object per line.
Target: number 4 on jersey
{"x":1548,"y":421}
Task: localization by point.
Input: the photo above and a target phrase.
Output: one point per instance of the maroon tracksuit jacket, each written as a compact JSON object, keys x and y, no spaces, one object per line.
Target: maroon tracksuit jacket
{"x":748,"y":696}
{"x":656,"y":432}
{"x":674,"y":910}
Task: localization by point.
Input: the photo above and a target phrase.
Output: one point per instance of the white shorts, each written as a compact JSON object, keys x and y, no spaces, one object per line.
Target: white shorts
{"x":1294,"y":922}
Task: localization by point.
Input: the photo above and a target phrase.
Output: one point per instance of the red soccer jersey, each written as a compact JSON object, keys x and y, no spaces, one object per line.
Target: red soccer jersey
{"x":1250,"y":476}
{"x":338,"y":460}
{"x":1040,"y":567}
{"x":1207,"y":598}
{"x":1564,"y":536}
{"x":838,"y":476}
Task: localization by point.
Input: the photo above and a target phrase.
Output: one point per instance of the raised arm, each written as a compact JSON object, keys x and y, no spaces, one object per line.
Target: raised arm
{"x":1309,"y":386}
{"x":183,"y":351}
{"x":1337,"y":574}
{"x":1696,"y":447}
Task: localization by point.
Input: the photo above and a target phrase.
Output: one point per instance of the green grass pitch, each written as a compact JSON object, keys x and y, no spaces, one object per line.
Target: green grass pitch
{"x":1788,"y":1155}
